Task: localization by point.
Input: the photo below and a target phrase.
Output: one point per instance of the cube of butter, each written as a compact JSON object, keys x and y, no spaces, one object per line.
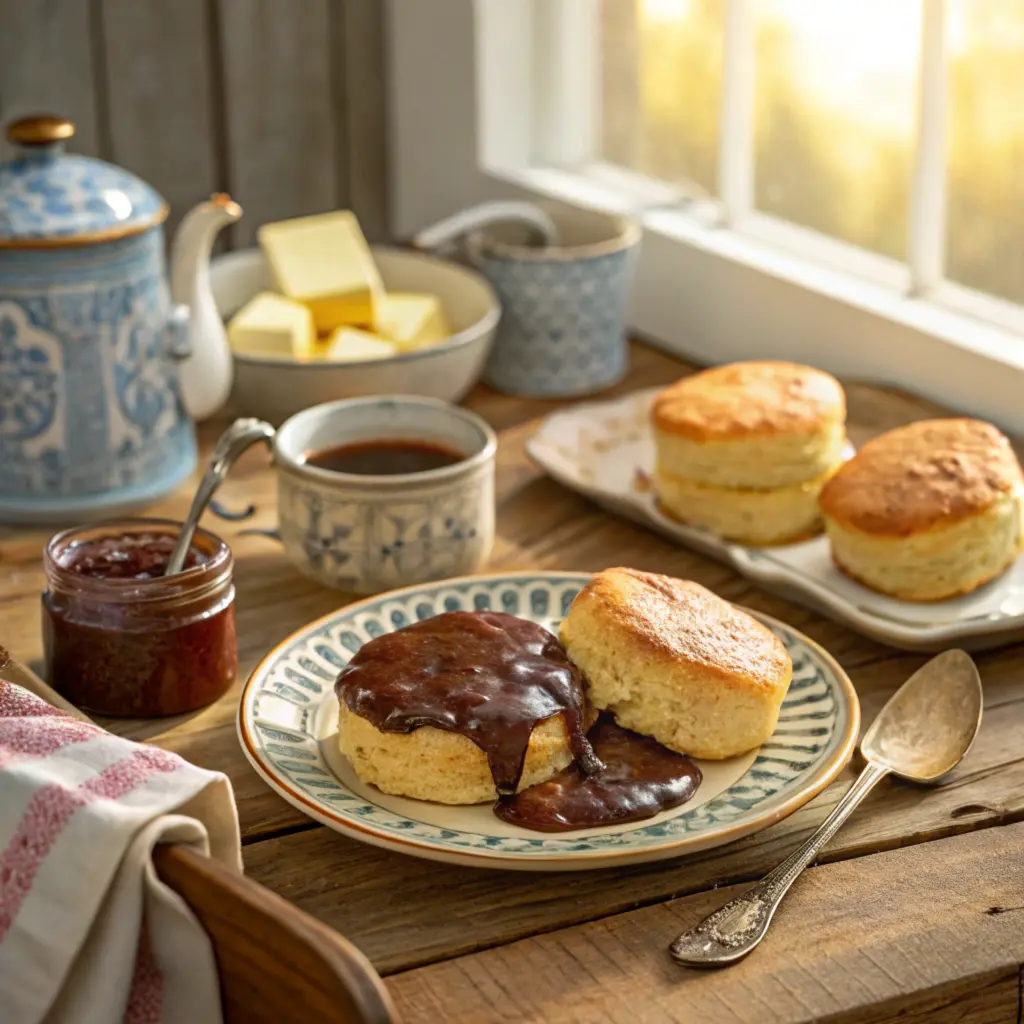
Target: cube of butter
{"x":324,"y":261}
{"x":412,"y":320}
{"x":350,"y":345}
{"x":271,"y":325}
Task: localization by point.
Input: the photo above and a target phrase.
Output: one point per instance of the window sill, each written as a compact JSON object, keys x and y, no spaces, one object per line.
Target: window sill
{"x":777,"y":291}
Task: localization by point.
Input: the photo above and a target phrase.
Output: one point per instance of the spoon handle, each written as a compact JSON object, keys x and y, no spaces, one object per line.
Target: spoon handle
{"x":731,"y":932}
{"x":239,"y":436}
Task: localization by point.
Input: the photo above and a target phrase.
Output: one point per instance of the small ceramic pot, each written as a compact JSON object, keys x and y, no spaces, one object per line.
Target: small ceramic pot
{"x":562,"y":331}
{"x":372,"y":533}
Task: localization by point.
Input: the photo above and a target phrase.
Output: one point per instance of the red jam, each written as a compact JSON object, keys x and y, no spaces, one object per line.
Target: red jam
{"x":123,"y":639}
{"x":140,"y":556}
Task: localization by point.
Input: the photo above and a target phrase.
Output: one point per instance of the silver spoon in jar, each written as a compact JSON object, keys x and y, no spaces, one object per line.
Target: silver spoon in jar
{"x":921,"y":734}
{"x":240,"y":435}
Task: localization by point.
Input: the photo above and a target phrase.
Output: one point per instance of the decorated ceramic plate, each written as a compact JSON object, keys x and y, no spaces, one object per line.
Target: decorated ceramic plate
{"x":288,"y":728}
{"x":605,"y":451}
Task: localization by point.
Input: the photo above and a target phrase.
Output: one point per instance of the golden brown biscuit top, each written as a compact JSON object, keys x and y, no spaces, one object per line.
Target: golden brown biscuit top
{"x":748,"y":399}
{"x":927,"y":474}
{"x":689,"y":624}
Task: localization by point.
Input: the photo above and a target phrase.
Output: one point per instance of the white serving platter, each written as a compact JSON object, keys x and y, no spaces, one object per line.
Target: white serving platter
{"x":605,"y":451}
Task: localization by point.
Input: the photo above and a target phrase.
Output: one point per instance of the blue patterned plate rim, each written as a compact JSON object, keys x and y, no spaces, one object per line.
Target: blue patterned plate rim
{"x":821,"y":703}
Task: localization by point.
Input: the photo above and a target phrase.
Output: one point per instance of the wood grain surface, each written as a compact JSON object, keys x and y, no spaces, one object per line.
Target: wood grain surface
{"x":921,"y":929}
{"x":406,"y":913}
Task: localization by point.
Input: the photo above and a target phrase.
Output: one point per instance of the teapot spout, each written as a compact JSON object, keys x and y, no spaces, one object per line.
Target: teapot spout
{"x":206,"y":369}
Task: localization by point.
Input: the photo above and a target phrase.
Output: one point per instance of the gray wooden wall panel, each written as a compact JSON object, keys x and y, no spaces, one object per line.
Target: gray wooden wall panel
{"x":280,"y":102}
{"x":162,"y":106}
{"x":281,"y":127}
{"x":365,"y":103}
{"x":46,"y":64}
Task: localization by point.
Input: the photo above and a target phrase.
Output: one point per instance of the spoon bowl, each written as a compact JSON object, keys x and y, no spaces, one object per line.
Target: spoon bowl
{"x":930,"y":722}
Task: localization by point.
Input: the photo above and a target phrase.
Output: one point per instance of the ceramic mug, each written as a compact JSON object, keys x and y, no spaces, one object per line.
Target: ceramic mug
{"x":372,"y":533}
{"x":562,"y":331}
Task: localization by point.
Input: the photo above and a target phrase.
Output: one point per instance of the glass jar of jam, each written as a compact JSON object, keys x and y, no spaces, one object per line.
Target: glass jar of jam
{"x":123,"y":639}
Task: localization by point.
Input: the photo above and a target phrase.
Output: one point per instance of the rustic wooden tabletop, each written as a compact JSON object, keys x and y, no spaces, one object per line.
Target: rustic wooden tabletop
{"x":916,"y":910}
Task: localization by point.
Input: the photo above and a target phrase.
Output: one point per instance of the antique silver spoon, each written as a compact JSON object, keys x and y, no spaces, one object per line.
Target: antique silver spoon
{"x":239,"y":436}
{"x":922,"y":733}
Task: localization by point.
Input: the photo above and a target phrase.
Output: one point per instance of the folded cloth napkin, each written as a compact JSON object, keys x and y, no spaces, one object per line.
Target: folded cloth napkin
{"x":88,"y":933}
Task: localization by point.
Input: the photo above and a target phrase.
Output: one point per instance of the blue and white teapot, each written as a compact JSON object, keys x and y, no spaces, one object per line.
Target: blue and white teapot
{"x":102,"y":367}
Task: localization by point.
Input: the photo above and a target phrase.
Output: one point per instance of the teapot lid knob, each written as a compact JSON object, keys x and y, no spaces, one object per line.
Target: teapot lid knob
{"x":39,"y":130}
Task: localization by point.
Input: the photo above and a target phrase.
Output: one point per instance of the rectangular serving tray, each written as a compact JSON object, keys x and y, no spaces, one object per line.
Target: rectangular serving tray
{"x":604,"y":450}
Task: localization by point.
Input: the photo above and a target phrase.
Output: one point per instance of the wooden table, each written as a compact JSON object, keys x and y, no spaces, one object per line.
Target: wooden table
{"x":916,"y":911}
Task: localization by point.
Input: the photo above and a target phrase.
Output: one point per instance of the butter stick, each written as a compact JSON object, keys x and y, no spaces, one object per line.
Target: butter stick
{"x":351,"y":345}
{"x":324,"y":262}
{"x":412,"y":320}
{"x":272,"y":325}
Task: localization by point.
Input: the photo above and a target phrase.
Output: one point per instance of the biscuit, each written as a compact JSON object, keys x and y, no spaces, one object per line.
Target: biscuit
{"x":674,"y":661}
{"x":927,"y":511}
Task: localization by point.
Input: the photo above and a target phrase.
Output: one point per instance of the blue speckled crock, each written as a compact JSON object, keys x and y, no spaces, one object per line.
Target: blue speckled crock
{"x":91,"y":417}
{"x":562,"y":330}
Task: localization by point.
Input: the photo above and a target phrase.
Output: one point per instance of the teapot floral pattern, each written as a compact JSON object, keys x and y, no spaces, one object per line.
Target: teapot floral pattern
{"x":28,"y":384}
{"x":90,"y":407}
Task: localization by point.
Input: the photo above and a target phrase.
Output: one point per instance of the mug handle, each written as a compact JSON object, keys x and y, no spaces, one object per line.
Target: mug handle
{"x":452,"y":228}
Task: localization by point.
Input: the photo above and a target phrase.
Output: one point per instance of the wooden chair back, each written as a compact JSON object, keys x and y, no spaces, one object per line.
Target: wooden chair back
{"x":277,"y":964}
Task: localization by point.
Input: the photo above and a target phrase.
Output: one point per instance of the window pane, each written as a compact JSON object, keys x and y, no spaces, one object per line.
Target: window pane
{"x":836,"y":108}
{"x":661,"y":65}
{"x":986,"y":158}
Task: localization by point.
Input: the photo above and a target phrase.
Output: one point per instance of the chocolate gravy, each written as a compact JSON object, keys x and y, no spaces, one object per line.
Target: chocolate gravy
{"x":640,"y":778}
{"x":488,"y":676}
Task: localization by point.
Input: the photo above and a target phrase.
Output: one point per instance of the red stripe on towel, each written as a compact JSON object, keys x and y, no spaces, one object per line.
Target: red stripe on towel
{"x":48,"y":813}
{"x":16,"y":702}
{"x":146,"y":998}
{"x":39,"y":737}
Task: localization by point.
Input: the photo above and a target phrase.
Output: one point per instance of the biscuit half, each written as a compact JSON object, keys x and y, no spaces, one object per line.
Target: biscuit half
{"x":674,"y":661}
{"x":751,"y":425}
{"x":777,"y":515}
{"x":445,"y":767}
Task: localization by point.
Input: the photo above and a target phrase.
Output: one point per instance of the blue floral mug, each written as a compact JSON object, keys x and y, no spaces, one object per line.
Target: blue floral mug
{"x":367,"y":533}
{"x":562,"y":329}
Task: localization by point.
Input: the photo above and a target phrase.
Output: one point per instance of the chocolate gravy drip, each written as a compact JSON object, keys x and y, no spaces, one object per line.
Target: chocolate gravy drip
{"x":488,"y":676}
{"x":640,"y":778}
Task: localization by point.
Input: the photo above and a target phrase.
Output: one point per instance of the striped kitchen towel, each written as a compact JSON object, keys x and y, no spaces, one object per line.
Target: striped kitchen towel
{"x":88,"y":933}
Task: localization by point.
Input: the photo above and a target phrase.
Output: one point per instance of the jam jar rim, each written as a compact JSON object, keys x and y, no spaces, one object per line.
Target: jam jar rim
{"x":187,"y":585}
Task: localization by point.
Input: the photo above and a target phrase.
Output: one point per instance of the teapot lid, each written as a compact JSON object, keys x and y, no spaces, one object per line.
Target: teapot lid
{"x":49,"y":197}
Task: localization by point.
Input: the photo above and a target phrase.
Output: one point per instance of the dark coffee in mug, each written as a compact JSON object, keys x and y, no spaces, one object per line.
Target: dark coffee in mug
{"x":386,"y":457}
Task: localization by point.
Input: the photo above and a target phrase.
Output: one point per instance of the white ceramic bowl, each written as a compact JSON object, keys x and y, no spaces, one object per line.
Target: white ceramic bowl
{"x":275,"y":389}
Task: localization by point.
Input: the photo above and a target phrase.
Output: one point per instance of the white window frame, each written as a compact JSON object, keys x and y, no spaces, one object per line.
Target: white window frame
{"x":497,"y":99}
